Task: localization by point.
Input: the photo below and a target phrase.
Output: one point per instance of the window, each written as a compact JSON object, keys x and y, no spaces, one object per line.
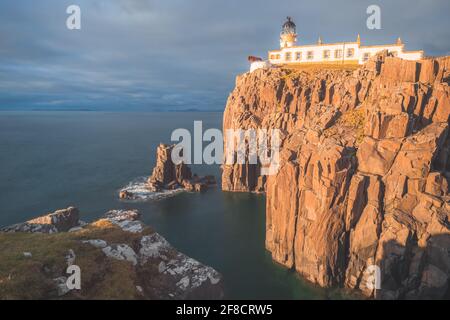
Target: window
{"x":277,"y":57}
{"x":272,"y":57}
{"x":366,"y":56}
{"x":338,"y":54}
{"x":288,"y":56}
{"x":350,"y":52}
{"x":298,"y":56}
{"x":310,"y":55}
{"x":326,"y":54}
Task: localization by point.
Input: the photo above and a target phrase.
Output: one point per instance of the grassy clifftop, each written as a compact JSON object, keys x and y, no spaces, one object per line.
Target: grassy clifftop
{"x":118,"y":258}
{"x":32,"y":277}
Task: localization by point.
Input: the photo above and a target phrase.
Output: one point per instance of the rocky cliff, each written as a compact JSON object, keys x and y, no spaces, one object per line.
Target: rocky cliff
{"x":364,"y":172}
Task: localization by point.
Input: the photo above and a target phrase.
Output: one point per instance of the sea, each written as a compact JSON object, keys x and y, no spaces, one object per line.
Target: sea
{"x":55,"y":159}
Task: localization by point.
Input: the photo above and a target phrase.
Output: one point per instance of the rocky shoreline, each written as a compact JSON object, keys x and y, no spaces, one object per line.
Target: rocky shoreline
{"x":119,"y":258}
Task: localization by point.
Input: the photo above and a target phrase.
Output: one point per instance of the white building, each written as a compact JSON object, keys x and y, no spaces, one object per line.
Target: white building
{"x":342,"y":52}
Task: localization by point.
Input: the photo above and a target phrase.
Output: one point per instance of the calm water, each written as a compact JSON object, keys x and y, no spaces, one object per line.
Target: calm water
{"x":51,"y":160}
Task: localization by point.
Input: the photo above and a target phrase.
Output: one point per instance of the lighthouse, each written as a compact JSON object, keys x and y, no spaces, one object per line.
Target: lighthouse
{"x":348,"y":52}
{"x":288,"y":35}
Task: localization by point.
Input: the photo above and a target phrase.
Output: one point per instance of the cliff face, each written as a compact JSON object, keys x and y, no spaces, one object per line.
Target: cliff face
{"x":364,"y":172}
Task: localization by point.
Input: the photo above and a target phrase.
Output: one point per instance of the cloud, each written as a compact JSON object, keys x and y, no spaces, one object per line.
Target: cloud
{"x":159,"y":55}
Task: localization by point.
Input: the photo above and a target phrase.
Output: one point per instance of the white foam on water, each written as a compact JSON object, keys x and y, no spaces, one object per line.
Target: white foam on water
{"x":139,"y":188}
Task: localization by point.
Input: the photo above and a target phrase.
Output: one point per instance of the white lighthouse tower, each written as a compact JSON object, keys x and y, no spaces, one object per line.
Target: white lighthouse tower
{"x":288,"y":35}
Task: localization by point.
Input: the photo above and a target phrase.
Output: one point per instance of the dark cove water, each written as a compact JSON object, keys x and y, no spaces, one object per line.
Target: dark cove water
{"x":51,"y":160}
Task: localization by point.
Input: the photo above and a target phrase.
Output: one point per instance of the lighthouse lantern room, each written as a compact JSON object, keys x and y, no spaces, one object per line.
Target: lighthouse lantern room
{"x":288,"y":35}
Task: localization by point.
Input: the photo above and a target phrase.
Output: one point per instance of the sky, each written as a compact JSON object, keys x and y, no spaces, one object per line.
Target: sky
{"x":166,"y":55}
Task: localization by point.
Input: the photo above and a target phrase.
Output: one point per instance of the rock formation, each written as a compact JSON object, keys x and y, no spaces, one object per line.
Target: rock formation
{"x":167,"y":179}
{"x":119,"y":258}
{"x":167,"y":175}
{"x":364,"y":176}
{"x":58,"y":221}
{"x":165,"y":171}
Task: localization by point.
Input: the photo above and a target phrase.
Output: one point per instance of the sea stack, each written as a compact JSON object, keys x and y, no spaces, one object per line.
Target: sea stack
{"x":169,"y":176}
{"x":166,"y":174}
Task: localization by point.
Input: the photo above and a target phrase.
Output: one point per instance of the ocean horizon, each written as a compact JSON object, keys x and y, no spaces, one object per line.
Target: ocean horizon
{"x":52,"y":160}
{"x":225,"y":150}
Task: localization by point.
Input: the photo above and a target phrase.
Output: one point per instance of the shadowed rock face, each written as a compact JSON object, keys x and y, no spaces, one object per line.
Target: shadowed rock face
{"x":364,"y":172}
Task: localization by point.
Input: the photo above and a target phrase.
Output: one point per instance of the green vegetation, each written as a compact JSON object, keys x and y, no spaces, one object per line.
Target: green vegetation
{"x":296,"y":70}
{"x":32,"y":277}
{"x":310,"y":67}
{"x":354,"y":120}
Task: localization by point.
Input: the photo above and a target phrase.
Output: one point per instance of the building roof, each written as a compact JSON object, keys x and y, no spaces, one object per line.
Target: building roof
{"x":289,"y":26}
{"x":340,"y":43}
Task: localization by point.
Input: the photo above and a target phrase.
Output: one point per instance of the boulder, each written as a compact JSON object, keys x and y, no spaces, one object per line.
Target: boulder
{"x":124,"y":194}
{"x":60,"y":220}
{"x":200,"y":187}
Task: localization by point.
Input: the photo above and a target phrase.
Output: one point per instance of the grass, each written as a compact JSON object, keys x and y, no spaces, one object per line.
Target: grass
{"x":321,"y":66}
{"x":31,"y":277}
{"x":354,"y":120}
{"x":296,"y":70}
